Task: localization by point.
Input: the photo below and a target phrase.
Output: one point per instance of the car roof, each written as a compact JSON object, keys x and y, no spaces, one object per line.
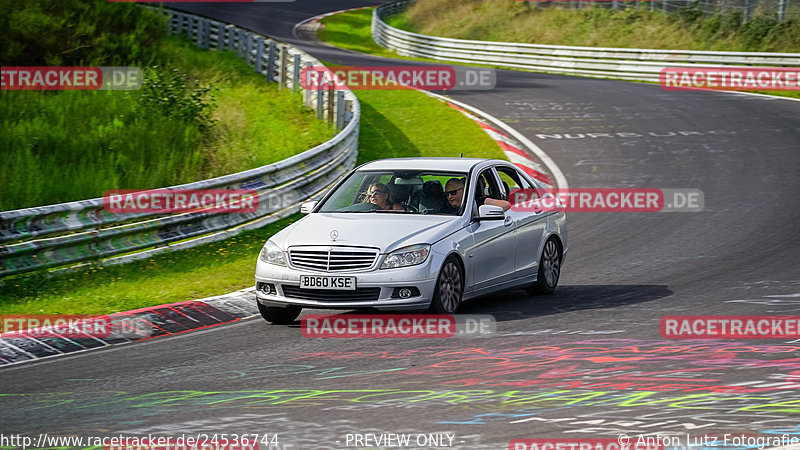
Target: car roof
{"x":454,"y":164}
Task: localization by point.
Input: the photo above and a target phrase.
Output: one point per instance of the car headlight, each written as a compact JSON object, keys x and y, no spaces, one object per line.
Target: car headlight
{"x":272,"y":254}
{"x":407,"y":256}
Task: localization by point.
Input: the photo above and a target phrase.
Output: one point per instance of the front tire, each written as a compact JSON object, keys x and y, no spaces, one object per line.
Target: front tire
{"x":279,"y":316}
{"x":449,"y":288}
{"x":549,"y":269}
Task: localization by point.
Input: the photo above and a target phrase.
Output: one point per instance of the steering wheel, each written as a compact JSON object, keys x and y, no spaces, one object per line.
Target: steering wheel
{"x":360,"y":207}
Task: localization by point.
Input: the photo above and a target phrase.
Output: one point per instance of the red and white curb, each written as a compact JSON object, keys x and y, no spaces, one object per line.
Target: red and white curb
{"x":511,"y":148}
{"x":133,"y":326}
{"x":518,"y":149}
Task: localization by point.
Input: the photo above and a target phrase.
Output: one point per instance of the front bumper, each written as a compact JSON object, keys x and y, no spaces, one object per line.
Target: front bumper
{"x":419,"y":277}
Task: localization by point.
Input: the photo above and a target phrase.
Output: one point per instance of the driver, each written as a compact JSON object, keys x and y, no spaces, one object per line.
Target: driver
{"x":454,"y":190}
{"x":378,"y":194}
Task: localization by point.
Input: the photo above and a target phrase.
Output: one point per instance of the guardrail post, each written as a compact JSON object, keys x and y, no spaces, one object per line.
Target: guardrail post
{"x":296,"y":73}
{"x":259,"y":55}
{"x":348,"y":111}
{"x":307,"y":89}
{"x":331,"y":111}
{"x":782,"y":4}
{"x":339,"y":110}
{"x":284,"y":67}
{"x":271,"y":61}
{"x":320,"y":101}
{"x":230,"y":33}
{"x":207,"y":35}
{"x":171,"y":23}
{"x":215,"y":41}
{"x":190,"y":30}
{"x":238,"y":41}
{"x":250,"y":42}
{"x":199,"y":30}
{"x":746,"y":17}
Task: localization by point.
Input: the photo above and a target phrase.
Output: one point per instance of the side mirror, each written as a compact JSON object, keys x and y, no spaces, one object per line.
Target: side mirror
{"x":307,"y":207}
{"x":490,"y":212}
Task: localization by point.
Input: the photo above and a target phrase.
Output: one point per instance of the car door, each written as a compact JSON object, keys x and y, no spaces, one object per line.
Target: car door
{"x":492,"y":254}
{"x":530,"y":225}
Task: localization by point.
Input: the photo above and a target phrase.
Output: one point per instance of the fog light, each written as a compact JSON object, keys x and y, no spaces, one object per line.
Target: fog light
{"x":267,"y":288}
{"x":405,"y":292}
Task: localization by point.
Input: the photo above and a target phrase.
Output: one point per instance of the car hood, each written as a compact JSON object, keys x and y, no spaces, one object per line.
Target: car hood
{"x":385,"y":231}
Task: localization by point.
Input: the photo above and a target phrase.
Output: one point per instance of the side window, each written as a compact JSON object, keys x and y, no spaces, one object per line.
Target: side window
{"x":487,"y":186}
{"x":511,"y":181}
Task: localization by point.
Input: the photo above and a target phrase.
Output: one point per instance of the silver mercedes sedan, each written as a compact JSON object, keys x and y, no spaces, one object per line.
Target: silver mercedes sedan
{"x":412,"y":234}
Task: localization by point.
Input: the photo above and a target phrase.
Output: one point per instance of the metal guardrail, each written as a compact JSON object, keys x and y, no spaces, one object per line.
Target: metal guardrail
{"x":67,"y":233}
{"x":624,"y":63}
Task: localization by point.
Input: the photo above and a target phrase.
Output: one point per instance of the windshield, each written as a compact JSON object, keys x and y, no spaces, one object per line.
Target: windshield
{"x":400,"y":192}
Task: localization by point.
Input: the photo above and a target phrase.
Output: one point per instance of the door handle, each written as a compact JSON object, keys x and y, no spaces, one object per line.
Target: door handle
{"x":508,"y":221}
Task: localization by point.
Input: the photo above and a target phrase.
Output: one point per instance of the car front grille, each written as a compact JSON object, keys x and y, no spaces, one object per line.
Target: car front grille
{"x":332,"y":259}
{"x":331,"y":295}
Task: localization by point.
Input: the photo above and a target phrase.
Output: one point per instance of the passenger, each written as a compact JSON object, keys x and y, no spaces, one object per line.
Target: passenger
{"x":378,"y":194}
{"x":454,"y":190}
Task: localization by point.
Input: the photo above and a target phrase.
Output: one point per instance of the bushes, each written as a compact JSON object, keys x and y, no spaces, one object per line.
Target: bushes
{"x":60,"y":146}
{"x":77,"y":32}
{"x":166,"y":92}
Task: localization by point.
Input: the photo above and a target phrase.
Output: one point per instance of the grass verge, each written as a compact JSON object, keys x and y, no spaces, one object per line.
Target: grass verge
{"x":352,"y":30}
{"x":632,"y":27}
{"x":94,"y":141}
{"x":393,"y":124}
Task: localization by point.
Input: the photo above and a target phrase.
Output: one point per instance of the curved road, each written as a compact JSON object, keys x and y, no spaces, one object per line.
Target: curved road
{"x":585,"y":362}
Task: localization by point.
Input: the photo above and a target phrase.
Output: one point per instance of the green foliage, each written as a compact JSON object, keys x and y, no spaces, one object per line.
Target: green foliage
{"x":76,"y":144}
{"x":688,"y":14}
{"x":77,"y":33}
{"x":167,"y":92}
{"x":72,"y":145}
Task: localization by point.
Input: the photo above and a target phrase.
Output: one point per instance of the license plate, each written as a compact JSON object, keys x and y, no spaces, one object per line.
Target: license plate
{"x":321,"y":282}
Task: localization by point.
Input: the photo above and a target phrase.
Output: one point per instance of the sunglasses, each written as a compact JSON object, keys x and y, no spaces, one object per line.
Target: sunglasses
{"x":375,"y":193}
{"x":453,"y":192}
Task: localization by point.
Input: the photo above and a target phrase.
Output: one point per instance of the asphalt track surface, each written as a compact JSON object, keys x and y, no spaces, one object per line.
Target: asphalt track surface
{"x":585,"y":362}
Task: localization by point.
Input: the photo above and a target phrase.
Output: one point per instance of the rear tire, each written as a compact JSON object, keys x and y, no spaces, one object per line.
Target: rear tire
{"x":549,"y":269}
{"x":279,"y":316}
{"x":449,"y":288}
